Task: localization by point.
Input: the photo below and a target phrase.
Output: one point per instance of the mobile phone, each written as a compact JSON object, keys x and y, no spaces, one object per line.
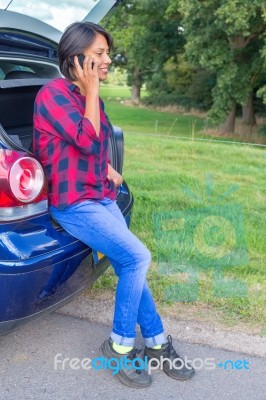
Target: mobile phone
{"x":81,"y":58}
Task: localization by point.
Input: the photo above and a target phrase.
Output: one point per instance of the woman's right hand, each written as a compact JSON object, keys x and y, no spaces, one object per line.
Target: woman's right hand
{"x":87,"y":76}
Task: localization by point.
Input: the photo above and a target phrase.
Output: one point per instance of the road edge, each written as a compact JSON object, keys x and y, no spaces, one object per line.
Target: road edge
{"x":101,"y":311}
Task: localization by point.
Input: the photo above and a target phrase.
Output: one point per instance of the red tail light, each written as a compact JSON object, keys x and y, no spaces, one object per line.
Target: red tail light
{"x":23,"y":189}
{"x":26,"y":179}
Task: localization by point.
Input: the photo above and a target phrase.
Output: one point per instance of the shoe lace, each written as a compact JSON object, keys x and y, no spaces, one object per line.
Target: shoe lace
{"x":169,"y":351}
{"x":132,"y":355}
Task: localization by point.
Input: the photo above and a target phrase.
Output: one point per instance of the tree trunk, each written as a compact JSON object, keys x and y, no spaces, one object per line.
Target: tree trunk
{"x":135,"y":93}
{"x":248,"y":116}
{"x":229,"y":125}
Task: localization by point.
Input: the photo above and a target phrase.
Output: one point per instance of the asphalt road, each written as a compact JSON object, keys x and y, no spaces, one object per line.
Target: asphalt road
{"x":27,"y":367}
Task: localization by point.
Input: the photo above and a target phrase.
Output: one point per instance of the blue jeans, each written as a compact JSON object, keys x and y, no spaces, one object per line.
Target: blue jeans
{"x":101,"y":225}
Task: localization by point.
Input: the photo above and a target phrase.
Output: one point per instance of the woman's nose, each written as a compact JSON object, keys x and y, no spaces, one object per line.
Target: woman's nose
{"x":108,"y":60}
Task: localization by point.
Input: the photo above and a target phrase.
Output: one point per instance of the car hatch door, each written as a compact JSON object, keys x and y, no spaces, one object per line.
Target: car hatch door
{"x":49,"y":18}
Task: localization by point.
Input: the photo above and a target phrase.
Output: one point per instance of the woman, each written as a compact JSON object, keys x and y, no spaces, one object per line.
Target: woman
{"x":71,"y":134}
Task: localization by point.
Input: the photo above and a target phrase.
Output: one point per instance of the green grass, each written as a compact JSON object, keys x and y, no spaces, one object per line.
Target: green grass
{"x":134,"y":119}
{"x":109,"y":91}
{"x":137,"y":119}
{"x":166,"y":122}
{"x":143,"y":120}
{"x":172,"y":177}
{"x":163,"y":173}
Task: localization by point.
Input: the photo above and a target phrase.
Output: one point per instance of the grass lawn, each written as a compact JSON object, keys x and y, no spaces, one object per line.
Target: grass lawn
{"x":115,"y":91}
{"x":200,"y":207}
{"x":137,"y":119}
{"x":165,"y":123}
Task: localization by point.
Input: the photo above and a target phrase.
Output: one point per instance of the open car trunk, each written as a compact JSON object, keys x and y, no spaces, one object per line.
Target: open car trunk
{"x":16,"y":116}
{"x":16,"y":110}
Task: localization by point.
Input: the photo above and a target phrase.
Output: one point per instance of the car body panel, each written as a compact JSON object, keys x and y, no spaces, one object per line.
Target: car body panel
{"x":26,"y":297}
{"x":10,"y":20}
{"x":42,"y":266}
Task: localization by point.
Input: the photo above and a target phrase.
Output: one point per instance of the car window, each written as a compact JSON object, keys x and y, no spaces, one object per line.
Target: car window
{"x":58,"y":13}
{"x":7,"y":67}
{"x":22,"y":68}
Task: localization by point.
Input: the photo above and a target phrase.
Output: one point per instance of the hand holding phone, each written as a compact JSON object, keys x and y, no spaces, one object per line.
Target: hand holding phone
{"x":86,"y":75}
{"x":81,"y":59}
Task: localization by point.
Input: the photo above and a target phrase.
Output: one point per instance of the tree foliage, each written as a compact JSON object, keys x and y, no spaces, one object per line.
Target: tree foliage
{"x":225,"y":37}
{"x":146,"y":37}
{"x":262,"y":90}
{"x":208,"y":53}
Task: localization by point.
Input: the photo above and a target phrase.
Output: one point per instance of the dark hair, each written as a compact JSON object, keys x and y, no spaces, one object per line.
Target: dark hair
{"x":76,"y":38}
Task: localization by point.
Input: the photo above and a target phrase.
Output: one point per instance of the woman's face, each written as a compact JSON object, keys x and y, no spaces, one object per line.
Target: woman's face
{"x":99,"y":51}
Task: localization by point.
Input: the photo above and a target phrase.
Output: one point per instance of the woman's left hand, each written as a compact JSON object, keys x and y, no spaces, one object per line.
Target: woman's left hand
{"x":114,"y":176}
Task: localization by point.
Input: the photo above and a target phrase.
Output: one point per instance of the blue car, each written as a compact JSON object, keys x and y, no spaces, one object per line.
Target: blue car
{"x":41,"y":266}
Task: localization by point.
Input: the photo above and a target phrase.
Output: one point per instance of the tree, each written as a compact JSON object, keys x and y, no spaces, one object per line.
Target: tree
{"x":146,"y":37}
{"x":226,"y":38}
{"x":262,"y":89}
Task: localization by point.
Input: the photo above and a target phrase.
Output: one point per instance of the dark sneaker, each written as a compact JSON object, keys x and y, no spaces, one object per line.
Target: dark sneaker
{"x":179,"y":370}
{"x":130,"y":374}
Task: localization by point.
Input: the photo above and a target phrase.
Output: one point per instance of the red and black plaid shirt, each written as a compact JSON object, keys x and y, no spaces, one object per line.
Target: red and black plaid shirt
{"x":74,"y":157}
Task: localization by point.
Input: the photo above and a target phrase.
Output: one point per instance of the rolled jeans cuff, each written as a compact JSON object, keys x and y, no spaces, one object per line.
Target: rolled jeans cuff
{"x":121,"y":340}
{"x":149,"y":342}
{"x":155,"y":340}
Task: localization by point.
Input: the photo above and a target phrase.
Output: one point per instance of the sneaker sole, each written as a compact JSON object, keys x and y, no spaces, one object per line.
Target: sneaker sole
{"x":179,"y":378}
{"x":168,"y":372}
{"x":120,"y":375}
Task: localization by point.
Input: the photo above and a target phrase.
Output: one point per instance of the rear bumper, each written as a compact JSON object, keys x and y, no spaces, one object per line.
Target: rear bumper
{"x":25,"y":303}
{"x":51,"y":268}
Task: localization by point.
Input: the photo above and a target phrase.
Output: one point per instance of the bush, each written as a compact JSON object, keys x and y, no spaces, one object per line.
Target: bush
{"x":167,"y":99}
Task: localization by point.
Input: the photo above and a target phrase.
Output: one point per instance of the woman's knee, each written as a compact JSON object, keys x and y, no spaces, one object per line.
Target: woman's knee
{"x":144,"y":257}
{"x":148,"y":256}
